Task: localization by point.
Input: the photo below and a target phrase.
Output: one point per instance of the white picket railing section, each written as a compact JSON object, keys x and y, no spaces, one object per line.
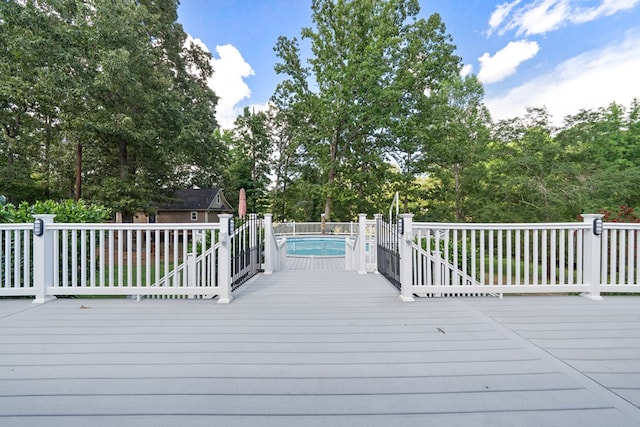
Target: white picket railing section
{"x":16,"y":255}
{"x":195,"y":260}
{"x":500,"y":258}
{"x":156,"y":260}
{"x":620,"y":261}
{"x":360,"y":252}
{"x":480,"y":259}
{"x":134,"y":259}
{"x":313,"y":228}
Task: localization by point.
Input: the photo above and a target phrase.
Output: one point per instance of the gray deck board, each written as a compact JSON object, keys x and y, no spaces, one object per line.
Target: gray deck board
{"x":321,"y":347}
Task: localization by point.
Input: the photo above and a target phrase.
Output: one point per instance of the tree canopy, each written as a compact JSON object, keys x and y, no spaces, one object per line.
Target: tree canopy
{"x":108,"y":101}
{"x":372,"y":63}
{"x":105,"y":100}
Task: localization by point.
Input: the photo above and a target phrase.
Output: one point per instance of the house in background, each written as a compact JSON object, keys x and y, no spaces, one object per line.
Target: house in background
{"x":190,"y":206}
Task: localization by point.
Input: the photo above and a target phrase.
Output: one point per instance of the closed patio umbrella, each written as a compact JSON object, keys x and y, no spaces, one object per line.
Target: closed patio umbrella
{"x":242,"y":204}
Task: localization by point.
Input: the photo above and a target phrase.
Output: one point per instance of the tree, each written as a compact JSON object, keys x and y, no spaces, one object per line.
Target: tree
{"x":367,"y":55}
{"x":250,"y":160}
{"x":43,"y":63}
{"x":153,"y":109}
{"x":529,"y":176}
{"x":105,"y":98}
{"x":604,"y":142}
{"x":459,"y":132}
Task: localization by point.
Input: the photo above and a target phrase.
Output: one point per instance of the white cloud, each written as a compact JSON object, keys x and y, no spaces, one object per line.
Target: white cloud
{"x":588,"y":81}
{"x":608,"y":7}
{"x":500,"y":14}
{"x":505,"y":62}
{"x":543,"y":16}
{"x":227,"y":81}
{"x":466,"y":70}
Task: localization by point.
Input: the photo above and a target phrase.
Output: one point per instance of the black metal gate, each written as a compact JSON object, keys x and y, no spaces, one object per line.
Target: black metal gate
{"x":246,"y":250}
{"x":388,"y":238}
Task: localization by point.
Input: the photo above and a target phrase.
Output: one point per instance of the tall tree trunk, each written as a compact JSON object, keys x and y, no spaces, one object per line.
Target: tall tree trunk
{"x":122,"y":157}
{"x":405,"y":202}
{"x":78,"y":193}
{"x":458,"y":189}
{"x":331,"y":176}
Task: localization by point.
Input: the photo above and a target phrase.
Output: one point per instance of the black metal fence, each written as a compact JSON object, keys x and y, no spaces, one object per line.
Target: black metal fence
{"x":247,"y":249}
{"x":388,"y":238}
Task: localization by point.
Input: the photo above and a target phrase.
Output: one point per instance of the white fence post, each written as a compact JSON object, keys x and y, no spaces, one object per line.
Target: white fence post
{"x":592,"y":255}
{"x":192,"y":272}
{"x":406,"y":266}
{"x":253,"y":230}
{"x":224,"y":261}
{"x":269,"y":249}
{"x":362,"y":243}
{"x":43,"y":258}
{"x":377,"y":218}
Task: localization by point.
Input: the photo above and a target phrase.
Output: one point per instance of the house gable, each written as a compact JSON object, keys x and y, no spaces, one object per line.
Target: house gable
{"x":194,"y":205}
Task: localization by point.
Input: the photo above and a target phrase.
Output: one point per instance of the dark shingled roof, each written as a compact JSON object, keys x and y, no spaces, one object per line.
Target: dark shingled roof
{"x":195,"y":199}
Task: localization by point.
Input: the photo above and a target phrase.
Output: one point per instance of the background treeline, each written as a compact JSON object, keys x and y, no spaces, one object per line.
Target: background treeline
{"x":104,"y":100}
{"x":108,"y":101}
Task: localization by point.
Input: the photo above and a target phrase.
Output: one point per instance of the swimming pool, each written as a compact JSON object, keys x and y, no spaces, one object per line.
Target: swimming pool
{"x":316,"y":246}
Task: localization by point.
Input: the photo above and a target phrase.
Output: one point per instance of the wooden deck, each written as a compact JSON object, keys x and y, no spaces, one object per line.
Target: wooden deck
{"x":321,"y":348}
{"x":310,"y":263}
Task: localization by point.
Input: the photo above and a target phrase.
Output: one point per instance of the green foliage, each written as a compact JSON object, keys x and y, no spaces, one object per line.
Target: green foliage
{"x":250,"y":161}
{"x":371,"y":64}
{"x":67,"y":211}
{"x":103,"y":92}
{"x":114,"y":91}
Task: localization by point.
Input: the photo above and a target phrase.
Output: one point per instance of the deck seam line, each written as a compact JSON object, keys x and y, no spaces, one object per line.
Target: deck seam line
{"x":620,"y":403}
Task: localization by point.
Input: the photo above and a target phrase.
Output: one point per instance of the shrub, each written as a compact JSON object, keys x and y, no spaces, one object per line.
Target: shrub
{"x":65,"y":211}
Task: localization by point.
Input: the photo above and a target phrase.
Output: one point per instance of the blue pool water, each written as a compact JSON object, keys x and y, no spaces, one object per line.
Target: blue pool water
{"x":315,"y":246}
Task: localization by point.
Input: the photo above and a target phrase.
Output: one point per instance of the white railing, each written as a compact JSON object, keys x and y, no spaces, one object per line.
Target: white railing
{"x":473,"y":259}
{"x":195,"y":260}
{"x":360,"y":251}
{"x":313,"y":228}
{"x":275,"y":250}
{"x":154,"y":260}
{"x":134,"y":259}
{"x":620,"y":261}
{"x":360,"y":241}
{"x":16,"y":254}
{"x":499,"y":257}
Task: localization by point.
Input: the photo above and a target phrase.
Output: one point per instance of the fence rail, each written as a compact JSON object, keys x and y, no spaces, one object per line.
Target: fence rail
{"x":247,"y":250}
{"x":313,"y":228}
{"x":16,"y":255}
{"x":134,"y":259}
{"x":513,"y":257}
{"x":206,"y":260}
{"x":478,"y":259}
{"x":388,"y":249}
{"x":620,"y":261}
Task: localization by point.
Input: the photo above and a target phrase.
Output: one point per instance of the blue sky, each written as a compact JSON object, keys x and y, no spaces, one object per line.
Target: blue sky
{"x":562,"y":54}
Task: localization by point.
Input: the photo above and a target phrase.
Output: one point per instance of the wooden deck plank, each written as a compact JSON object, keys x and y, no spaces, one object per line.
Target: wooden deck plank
{"x":599,"y":339}
{"x":311,"y":263}
{"x":309,"y":404}
{"x":294,"y":386}
{"x":583,"y":418}
{"x":320,"y":348}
